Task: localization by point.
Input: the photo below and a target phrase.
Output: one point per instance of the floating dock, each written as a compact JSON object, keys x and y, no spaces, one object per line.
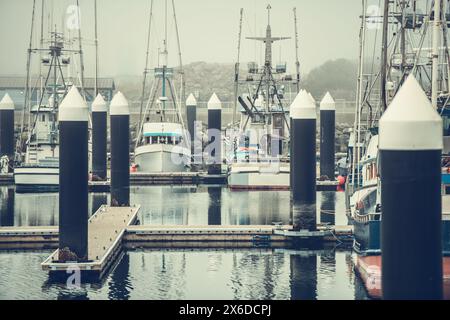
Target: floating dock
{"x":167,"y":178}
{"x":105,"y":233}
{"x":172,"y":236}
{"x":177,"y":178}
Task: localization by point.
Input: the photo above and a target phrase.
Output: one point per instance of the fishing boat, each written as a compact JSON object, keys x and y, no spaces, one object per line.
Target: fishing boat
{"x":162,"y":144}
{"x":399,"y":60}
{"x":258,"y":153}
{"x":37,"y":156}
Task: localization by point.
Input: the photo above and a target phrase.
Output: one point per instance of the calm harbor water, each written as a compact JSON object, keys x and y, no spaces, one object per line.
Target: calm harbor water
{"x":258,"y":273}
{"x":200,"y":274}
{"x":161,"y":205}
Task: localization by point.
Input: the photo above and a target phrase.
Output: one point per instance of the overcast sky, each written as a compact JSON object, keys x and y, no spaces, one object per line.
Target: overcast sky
{"x":328,"y":29}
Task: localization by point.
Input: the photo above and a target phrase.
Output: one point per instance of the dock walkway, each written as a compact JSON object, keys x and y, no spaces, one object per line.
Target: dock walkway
{"x":105,"y":232}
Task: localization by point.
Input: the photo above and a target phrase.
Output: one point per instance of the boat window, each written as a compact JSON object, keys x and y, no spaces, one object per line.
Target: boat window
{"x":43,"y":117}
{"x":147,"y":140}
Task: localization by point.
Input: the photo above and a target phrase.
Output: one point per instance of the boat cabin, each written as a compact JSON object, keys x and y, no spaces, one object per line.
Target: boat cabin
{"x":162,"y":133}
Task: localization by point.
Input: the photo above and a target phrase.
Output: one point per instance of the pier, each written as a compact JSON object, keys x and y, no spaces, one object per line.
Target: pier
{"x":105,"y":232}
{"x":133,"y":236}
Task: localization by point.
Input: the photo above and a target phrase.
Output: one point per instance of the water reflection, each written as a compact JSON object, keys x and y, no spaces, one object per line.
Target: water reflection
{"x":255,"y":274}
{"x":327,"y":207}
{"x":303,"y":276}
{"x":176,"y":205}
{"x":7,"y":198}
{"x":120,"y":286}
{"x":215,"y":206}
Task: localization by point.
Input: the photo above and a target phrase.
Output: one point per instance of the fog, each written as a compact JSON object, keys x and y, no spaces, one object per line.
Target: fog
{"x":328,"y":29}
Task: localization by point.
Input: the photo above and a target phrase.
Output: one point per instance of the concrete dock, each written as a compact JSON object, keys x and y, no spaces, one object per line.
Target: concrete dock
{"x":105,"y":232}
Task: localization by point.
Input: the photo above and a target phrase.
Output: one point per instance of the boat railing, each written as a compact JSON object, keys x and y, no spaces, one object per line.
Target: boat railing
{"x":365,"y":218}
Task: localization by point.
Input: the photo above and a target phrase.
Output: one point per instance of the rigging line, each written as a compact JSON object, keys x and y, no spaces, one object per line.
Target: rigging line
{"x":27,"y":84}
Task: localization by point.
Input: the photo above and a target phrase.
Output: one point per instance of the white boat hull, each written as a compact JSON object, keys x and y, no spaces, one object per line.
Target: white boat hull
{"x":36,"y":178}
{"x":162,"y":158}
{"x":259,"y":176}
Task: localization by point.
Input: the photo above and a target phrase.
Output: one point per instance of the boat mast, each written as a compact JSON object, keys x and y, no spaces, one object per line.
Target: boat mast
{"x":297,"y":62}
{"x":164,"y":60}
{"x":358,"y":103}
{"x":96,"y":49}
{"x":435,"y":53}
{"x":27,"y":86}
{"x":236,"y":67}
{"x":180,"y":61}
{"x":80,"y":47}
{"x":384,"y":53}
{"x":146,"y":65}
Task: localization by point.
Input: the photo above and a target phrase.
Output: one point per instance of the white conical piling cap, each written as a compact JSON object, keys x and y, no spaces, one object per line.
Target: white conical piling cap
{"x":6,"y":103}
{"x":302,"y":107}
{"x":99,"y":104}
{"x":328,"y":103}
{"x":73,"y":107}
{"x":312,"y":98}
{"x":191,"y":101}
{"x":410,"y":122}
{"x":119,"y":105}
{"x":214,"y":103}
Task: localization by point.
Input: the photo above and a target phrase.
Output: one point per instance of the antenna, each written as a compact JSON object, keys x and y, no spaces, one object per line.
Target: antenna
{"x":268,"y":13}
{"x":236,"y":67}
{"x":297,"y":62}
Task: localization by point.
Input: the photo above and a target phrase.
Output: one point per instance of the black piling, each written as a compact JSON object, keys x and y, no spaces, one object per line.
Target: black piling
{"x":410,"y":145}
{"x":99,"y":138}
{"x":73,"y":178}
{"x":6,"y":134}
{"x":214,"y":148}
{"x":303,"y":162}
{"x":120,"y":151}
{"x":327,"y":136}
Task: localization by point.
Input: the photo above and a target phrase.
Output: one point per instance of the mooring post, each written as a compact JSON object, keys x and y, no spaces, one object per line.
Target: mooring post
{"x":6,"y":134}
{"x":214,"y":135}
{"x":120,"y":151}
{"x":327,"y":136}
{"x":410,"y":145}
{"x":73,"y":177}
{"x":191,"y":117}
{"x":303,"y":162}
{"x":99,"y":139}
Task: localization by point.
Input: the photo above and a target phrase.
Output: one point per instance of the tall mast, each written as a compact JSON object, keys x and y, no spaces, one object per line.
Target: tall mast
{"x":80,"y":52}
{"x":236,"y":67}
{"x":180,"y":61}
{"x":436,"y":41}
{"x":96,"y":48}
{"x":297,"y":62}
{"x":358,"y":103}
{"x":27,"y":84}
{"x":146,"y":63}
{"x":384,"y":50}
{"x":164,"y":60}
